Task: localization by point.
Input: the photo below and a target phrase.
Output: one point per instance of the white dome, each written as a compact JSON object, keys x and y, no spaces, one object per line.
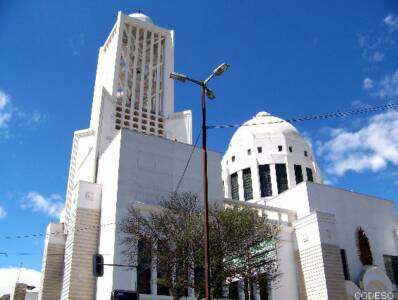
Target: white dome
{"x":141,"y":17}
{"x":264,"y":124}
{"x":266,"y":156}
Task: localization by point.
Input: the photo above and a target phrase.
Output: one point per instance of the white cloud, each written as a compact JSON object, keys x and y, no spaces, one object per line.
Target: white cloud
{"x":392,"y":22}
{"x":8,"y":277}
{"x":368,"y":83}
{"x":376,"y":40}
{"x":51,"y":205}
{"x":5,"y":113}
{"x":377,"y":57}
{"x":372,"y":147}
{"x":3,"y":212}
{"x":388,"y":86}
{"x":10,"y":112}
{"x":76,"y":43}
{"x":4,"y":99}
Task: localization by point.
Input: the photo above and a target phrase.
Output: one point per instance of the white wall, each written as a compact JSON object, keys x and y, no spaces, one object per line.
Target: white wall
{"x":287,"y":287}
{"x":142,"y":168}
{"x":376,"y":216}
{"x":178,"y":126}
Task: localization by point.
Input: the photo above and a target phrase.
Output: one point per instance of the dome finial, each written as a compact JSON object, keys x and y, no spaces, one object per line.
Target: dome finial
{"x":139,"y":15}
{"x":263,"y":114}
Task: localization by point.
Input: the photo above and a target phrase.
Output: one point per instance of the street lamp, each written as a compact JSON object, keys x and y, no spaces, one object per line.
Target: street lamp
{"x":206,"y":92}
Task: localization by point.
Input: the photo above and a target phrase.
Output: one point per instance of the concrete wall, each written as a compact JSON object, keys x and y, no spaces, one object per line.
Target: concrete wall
{"x":318,"y":255}
{"x":53,"y":263}
{"x":351,"y":210}
{"x":82,"y":243}
{"x":286,"y":286}
{"x":141,"y":168}
{"x":376,"y":216}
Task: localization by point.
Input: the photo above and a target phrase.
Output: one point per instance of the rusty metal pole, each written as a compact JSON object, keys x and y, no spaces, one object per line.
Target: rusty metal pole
{"x":205,"y":195}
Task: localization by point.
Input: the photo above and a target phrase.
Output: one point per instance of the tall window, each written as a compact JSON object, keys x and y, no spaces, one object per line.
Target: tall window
{"x":144,"y":267}
{"x":265,"y":180}
{"x":281,"y":177}
{"x":298,"y":172}
{"x":234,"y":186}
{"x":310,"y":177}
{"x":391,"y":264}
{"x":247,"y":184}
{"x":234,"y":290}
{"x":345,"y":264}
{"x":264,"y":288}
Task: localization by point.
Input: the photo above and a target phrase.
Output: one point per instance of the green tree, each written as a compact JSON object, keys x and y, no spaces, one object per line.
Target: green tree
{"x":173,"y":232}
{"x":242,"y":244}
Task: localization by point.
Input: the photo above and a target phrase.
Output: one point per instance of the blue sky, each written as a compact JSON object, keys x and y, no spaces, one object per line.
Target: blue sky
{"x":289,"y":58}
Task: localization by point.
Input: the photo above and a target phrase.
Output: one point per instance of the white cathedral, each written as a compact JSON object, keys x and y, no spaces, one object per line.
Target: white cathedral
{"x":135,"y":151}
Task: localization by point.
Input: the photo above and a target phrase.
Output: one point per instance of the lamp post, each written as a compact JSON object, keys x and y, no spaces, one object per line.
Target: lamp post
{"x":206,"y":92}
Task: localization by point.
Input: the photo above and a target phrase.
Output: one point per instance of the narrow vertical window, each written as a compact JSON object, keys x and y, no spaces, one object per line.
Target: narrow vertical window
{"x":298,"y":172}
{"x":290,"y":149}
{"x":247,"y":184}
{"x":233,"y":158}
{"x":280,"y":148}
{"x":345,"y":265}
{"x":233,"y":290}
{"x":281,"y":177}
{"x":144,"y":267}
{"x":249,"y":151}
{"x":305,"y":153}
{"x":265,"y":180}
{"x":259,"y":149}
{"x":391,"y":264}
{"x":234,"y":186}
{"x":310,"y":177}
{"x":264,"y":288}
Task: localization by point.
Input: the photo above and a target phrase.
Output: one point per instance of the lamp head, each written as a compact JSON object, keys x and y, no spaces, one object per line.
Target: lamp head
{"x":220,"y":69}
{"x":178,"y":76}
{"x":210,"y":94}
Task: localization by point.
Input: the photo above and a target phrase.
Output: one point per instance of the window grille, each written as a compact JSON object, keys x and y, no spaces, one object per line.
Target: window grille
{"x":281,"y":177}
{"x":265,"y":180}
{"x":310,"y":177}
{"x":247,"y":184}
{"x":298,"y":172}
{"x":234,"y":186}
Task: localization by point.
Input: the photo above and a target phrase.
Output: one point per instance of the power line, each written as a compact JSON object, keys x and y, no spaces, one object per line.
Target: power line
{"x":187,"y":164}
{"x":55,"y":233}
{"x":332,"y":115}
{"x":93,"y":227}
{"x":324,"y":116}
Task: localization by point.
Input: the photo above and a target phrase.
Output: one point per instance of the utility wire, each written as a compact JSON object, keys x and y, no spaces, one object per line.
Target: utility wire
{"x":93,"y":227}
{"x":55,"y":233}
{"x":332,"y":115}
{"x":187,"y":164}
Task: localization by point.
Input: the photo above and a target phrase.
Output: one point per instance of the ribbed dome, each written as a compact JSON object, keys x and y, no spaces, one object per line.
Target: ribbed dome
{"x":141,"y":17}
{"x":264,"y":124}
{"x":266,"y":156}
